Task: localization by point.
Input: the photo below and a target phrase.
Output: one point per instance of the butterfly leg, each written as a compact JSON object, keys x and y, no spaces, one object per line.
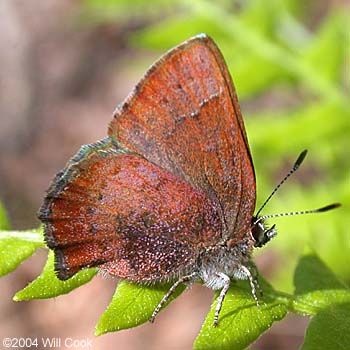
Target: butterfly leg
{"x":246,"y":274}
{"x":221,"y":297}
{"x":255,"y":274}
{"x":170,"y":292}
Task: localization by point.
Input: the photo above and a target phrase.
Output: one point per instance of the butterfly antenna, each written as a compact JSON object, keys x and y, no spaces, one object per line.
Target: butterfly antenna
{"x":312,"y":211}
{"x":293,"y":170}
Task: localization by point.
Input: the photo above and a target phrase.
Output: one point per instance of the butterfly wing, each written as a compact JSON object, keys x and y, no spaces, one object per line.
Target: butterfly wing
{"x":184,"y":117}
{"x":176,"y":175}
{"x":115,"y":209}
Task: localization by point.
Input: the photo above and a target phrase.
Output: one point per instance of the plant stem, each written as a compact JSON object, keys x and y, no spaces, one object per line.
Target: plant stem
{"x":31,"y":236}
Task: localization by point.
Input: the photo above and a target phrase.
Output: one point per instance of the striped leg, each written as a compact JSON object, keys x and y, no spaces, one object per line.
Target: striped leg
{"x":255,"y":273}
{"x":221,"y":297}
{"x":245,"y":271}
{"x":170,"y":292}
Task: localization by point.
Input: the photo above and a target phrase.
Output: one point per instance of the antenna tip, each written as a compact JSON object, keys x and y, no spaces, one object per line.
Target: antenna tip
{"x":329,"y":207}
{"x":300,"y":159}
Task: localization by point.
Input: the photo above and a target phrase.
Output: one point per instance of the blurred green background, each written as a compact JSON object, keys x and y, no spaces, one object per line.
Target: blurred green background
{"x":68,"y":64}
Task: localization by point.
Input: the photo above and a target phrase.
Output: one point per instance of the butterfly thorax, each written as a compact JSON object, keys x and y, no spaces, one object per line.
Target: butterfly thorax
{"x":217,"y":263}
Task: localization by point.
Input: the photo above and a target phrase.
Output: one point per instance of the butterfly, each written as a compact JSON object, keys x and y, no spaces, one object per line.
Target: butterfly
{"x":169,"y":195}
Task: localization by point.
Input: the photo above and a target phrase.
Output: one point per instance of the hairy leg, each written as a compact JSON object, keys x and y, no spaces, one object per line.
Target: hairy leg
{"x":245,"y":273}
{"x":170,"y":292}
{"x":221,"y":297}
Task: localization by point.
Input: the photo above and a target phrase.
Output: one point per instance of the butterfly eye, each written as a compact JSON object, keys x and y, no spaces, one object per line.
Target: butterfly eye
{"x":257,"y":232}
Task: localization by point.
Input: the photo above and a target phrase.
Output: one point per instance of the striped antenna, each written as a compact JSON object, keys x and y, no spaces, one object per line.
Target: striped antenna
{"x":295,"y":167}
{"x":312,"y":211}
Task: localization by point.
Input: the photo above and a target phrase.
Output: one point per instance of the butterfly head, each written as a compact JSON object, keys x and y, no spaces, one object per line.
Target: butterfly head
{"x":261,"y":233}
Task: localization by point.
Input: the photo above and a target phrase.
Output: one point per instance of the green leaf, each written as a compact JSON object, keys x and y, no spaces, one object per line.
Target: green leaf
{"x":317,"y":287}
{"x":132,"y":305}
{"x":310,"y":304}
{"x":16,"y":246}
{"x":4,"y":223}
{"x":311,"y":274}
{"x":47,"y":285}
{"x":329,"y":329}
{"x":240,"y":322}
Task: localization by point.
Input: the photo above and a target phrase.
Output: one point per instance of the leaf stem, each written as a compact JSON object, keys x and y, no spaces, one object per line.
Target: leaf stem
{"x":31,"y":236}
{"x":293,"y":304}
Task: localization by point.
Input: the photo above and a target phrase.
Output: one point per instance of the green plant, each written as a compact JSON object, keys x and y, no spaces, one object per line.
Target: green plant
{"x":270,"y":54}
{"x":318,"y":294}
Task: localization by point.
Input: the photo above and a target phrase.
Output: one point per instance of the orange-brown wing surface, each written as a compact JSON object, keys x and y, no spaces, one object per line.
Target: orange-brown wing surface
{"x":115,"y":208}
{"x":184,"y":117}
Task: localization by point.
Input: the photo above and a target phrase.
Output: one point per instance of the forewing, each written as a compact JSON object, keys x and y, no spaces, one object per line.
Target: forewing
{"x":184,"y":117}
{"x":116,"y":209}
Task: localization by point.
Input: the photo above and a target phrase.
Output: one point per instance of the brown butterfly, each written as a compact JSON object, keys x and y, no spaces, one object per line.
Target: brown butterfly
{"x":170,"y":194}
